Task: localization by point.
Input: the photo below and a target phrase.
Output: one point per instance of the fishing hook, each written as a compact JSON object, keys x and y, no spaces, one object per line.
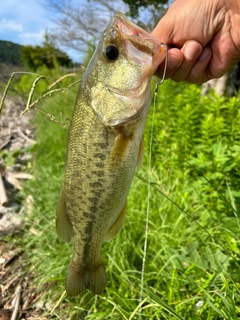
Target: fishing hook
{"x":164,"y":70}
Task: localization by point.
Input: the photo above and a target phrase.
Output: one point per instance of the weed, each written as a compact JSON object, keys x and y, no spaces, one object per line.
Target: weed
{"x":192,"y":255}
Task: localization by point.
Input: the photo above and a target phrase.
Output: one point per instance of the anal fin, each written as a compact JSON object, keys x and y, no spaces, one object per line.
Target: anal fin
{"x":63,"y":225}
{"x":118,"y":224}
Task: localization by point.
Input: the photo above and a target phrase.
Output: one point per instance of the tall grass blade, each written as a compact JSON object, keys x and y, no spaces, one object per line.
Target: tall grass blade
{"x":154,"y":298}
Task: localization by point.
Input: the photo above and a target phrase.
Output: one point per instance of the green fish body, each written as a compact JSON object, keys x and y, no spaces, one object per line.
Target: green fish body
{"x":105,"y":145}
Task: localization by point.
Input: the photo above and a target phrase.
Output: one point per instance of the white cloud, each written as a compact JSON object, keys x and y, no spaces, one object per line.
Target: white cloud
{"x":10,"y":25}
{"x":32,"y":38}
{"x":26,"y":21}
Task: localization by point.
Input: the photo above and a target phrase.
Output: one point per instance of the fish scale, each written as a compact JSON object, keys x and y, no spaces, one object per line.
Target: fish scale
{"x":105,"y":144}
{"x":100,"y":189}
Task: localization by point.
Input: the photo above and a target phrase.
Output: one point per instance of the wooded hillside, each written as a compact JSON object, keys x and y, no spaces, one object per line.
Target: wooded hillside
{"x":10,"y":52}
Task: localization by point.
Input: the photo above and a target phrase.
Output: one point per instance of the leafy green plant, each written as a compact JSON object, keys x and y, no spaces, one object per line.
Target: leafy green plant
{"x":192,"y":254}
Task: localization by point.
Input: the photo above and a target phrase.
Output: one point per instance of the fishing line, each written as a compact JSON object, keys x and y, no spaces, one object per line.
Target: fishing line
{"x":149,"y":183}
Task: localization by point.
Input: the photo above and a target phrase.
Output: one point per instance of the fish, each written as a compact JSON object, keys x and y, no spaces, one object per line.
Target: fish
{"x":104,"y":147}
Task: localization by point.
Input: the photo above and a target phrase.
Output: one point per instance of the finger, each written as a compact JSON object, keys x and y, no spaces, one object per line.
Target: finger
{"x":199,"y":72}
{"x":191,"y":50}
{"x":175,"y":59}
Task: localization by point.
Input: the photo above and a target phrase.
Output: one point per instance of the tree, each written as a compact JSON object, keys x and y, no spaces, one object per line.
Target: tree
{"x":79,"y":24}
{"x":10,"y":52}
{"x":47,"y":55}
{"x":136,"y":5}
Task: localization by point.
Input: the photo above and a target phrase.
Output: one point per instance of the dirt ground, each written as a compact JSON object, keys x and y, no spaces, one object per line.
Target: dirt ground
{"x":17,"y":299}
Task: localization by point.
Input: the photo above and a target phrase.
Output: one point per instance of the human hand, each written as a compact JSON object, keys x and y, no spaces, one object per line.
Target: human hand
{"x":203,"y":39}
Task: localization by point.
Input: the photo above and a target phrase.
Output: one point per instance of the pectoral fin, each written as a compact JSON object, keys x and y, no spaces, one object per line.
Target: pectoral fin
{"x":63,"y":225}
{"x":119,"y":149}
{"x":140,"y":153}
{"x":117,"y":226}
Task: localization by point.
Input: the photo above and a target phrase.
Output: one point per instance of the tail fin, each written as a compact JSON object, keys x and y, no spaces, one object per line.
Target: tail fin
{"x":81,"y":278}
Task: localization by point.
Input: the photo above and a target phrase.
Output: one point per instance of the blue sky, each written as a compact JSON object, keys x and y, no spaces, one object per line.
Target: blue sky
{"x":25,"y":22}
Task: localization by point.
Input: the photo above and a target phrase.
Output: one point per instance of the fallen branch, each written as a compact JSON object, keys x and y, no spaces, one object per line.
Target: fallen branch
{"x":3,"y":195}
{"x":30,"y":141}
{"x":16,"y":303}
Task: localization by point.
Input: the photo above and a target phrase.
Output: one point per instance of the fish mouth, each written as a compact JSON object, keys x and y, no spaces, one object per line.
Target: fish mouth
{"x":140,"y":39}
{"x":141,"y":48}
{"x":126,"y":98}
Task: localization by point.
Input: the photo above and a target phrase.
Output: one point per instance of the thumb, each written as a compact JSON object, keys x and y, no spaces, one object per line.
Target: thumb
{"x":163,"y":31}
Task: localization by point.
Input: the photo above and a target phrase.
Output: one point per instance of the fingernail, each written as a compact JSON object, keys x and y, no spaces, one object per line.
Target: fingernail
{"x":192,"y":49}
{"x":205,"y":54}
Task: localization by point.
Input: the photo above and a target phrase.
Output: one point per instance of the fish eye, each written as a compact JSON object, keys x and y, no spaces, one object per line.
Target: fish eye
{"x":111,"y":52}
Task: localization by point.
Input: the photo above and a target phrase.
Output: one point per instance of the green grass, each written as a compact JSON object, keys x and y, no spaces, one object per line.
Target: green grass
{"x":192,"y":268}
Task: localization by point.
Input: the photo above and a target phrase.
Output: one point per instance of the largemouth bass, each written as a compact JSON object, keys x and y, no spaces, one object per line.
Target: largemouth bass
{"x":105,"y":145}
